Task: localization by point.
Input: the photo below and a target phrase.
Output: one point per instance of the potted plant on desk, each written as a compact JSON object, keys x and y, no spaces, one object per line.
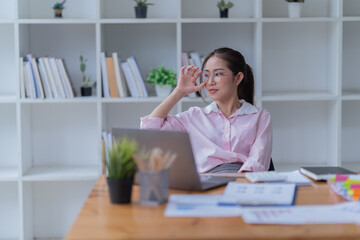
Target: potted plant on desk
{"x":224,"y":8}
{"x":163,"y":79}
{"x":121,"y":169}
{"x":141,"y":8}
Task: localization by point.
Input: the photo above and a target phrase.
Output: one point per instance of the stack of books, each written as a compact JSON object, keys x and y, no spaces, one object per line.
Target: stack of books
{"x":121,"y":79}
{"x":45,"y":77}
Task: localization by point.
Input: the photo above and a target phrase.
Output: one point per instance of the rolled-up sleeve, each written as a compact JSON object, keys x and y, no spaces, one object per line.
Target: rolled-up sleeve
{"x":260,"y":153}
{"x":174,"y":123}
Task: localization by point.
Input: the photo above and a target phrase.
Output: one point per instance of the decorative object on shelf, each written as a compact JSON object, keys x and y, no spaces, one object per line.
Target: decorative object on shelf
{"x":224,"y":8}
{"x":58,"y":8}
{"x":141,"y":8}
{"x":121,"y":169}
{"x":295,"y":8}
{"x":163,"y":80}
{"x":86,"y":86}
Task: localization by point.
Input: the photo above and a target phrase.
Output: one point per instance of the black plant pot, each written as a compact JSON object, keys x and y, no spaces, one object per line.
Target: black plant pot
{"x":224,"y":13}
{"x":58,"y":13}
{"x":86,"y":91}
{"x":120,"y":190}
{"x":140,"y":11}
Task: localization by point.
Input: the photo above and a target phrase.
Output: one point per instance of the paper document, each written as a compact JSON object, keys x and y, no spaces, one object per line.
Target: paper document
{"x":258,"y":194}
{"x":348,"y":212}
{"x":297,"y":178}
{"x":198,"y":205}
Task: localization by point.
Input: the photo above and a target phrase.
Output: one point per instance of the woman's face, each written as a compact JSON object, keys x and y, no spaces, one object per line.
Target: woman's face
{"x":221,"y":84}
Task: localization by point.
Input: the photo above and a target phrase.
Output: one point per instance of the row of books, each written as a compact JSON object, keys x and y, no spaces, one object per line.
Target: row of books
{"x":121,"y":78}
{"x":44,"y":77}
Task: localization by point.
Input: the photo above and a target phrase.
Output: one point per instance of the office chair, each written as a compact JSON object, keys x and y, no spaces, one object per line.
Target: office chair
{"x":271,"y":168}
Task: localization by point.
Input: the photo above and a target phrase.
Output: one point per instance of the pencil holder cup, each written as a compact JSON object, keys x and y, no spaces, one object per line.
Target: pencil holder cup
{"x":154,"y":187}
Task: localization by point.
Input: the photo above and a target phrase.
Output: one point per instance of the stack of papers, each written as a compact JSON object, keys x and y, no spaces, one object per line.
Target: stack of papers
{"x":259,"y":194}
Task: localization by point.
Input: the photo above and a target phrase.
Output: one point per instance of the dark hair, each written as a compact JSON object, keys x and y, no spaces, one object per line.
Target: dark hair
{"x":236,"y":63}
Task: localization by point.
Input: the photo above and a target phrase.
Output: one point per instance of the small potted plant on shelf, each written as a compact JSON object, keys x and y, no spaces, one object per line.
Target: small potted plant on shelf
{"x":224,"y":8}
{"x":86,"y":86}
{"x":58,"y":8}
{"x":163,"y":79}
{"x":295,"y":8}
{"x":141,"y":8}
{"x":121,"y":169}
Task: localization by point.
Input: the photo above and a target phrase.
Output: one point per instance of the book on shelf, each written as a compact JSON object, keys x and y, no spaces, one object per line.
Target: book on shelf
{"x":36,"y":77}
{"x":114,"y":92}
{"x":54,"y":89}
{"x":104,"y":74}
{"x":119,"y":75}
{"x":130,"y":80}
{"x":323,"y":173}
{"x":21,"y":76}
{"x":57,"y":78}
{"x":29,"y":79}
{"x":45,"y":79}
{"x":64,"y":77}
{"x":137,"y":76}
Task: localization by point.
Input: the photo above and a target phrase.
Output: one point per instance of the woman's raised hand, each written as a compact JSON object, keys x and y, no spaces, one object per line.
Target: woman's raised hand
{"x":187,"y":80}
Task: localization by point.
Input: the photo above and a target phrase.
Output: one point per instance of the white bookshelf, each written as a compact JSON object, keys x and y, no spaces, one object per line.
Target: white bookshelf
{"x":306,"y":72}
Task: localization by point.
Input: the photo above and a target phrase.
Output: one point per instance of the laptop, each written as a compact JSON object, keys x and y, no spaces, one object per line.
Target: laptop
{"x":183,"y":172}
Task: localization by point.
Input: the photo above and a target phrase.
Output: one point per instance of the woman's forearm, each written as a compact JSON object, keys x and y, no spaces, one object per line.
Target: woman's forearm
{"x":165,"y":107}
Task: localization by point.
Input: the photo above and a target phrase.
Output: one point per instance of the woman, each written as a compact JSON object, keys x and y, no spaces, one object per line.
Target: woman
{"x":230,"y":134}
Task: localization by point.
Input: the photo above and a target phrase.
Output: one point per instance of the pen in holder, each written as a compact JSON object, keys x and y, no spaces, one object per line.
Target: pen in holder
{"x":154,"y":175}
{"x":154,"y":187}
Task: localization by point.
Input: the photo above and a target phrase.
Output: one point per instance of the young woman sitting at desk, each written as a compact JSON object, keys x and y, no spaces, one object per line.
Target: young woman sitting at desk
{"x":230,"y":134}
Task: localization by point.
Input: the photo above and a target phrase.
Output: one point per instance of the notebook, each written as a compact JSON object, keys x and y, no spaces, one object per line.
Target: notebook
{"x":183,"y":172}
{"x":322,"y":173}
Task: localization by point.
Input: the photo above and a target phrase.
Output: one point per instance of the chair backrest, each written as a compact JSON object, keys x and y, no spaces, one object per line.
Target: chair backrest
{"x":271,"y":168}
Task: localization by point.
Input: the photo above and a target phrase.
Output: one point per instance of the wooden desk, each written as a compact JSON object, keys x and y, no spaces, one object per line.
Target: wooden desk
{"x":99,"y":219}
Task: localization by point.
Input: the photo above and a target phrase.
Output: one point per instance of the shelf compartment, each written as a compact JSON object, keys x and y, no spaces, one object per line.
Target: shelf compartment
{"x":37,"y":9}
{"x":351,"y":8}
{"x":311,"y":8}
{"x":7,"y":10}
{"x":304,"y":132}
{"x":160,"y":36}
{"x":8,"y":82}
{"x":205,"y":38}
{"x":59,"y":136}
{"x":209,"y":9}
{"x":9,"y":208}
{"x":126,"y":9}
{"x":350,"y":134}
{"x":351,"y":55}
{"x":48,"y":40}
{"x":8,"y":140}
{"x":52,"y":207}
{"x":117,"y":114}
{"x":295,"y":62}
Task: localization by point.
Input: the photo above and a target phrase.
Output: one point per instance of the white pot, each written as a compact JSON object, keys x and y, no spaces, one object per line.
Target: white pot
{"x":163,"y":90}
{"x":295,"y":9}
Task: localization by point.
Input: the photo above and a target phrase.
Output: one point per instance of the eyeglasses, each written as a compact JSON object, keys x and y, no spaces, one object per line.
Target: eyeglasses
{"x":217,"y":77}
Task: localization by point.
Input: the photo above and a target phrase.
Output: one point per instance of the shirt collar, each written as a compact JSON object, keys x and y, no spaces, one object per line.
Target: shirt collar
{"x":246,"y":108}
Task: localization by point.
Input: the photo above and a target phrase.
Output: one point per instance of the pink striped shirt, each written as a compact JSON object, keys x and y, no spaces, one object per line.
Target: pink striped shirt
{"x":245,"y":136}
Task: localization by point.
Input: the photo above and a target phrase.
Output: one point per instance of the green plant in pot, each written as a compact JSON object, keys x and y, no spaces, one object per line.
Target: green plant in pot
{"x":141,"y":8}
{"x":121,"y":169}
{"x":163,"y":79}
{"x":224,"y":8}
{"x":86,"y":86}
{"x":58,"y":8}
